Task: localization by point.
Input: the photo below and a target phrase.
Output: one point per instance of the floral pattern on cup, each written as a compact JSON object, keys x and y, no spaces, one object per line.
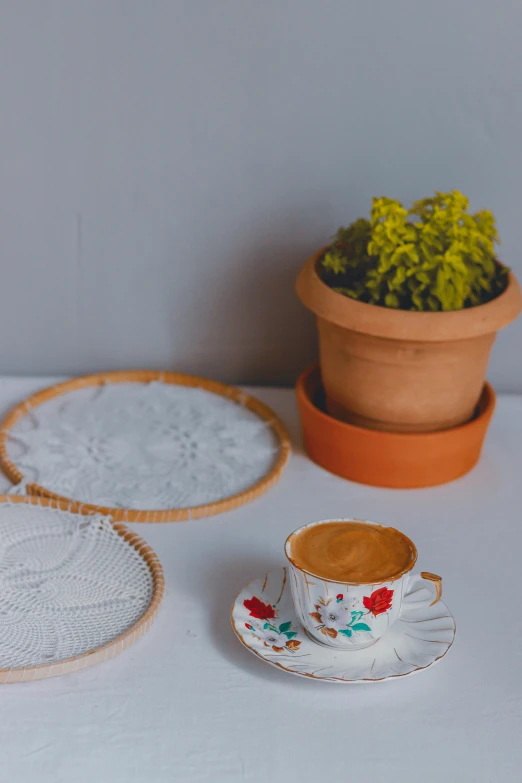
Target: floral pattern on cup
{"x":334,"y":617}
{"x":379,"y":601}
{"x":279,"y":637}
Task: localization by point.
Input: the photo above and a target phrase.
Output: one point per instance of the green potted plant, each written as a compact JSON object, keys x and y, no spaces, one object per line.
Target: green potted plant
{"x":408,"y":304}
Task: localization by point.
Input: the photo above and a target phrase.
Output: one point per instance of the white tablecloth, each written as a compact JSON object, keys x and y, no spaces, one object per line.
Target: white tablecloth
{"x":189,"y":703}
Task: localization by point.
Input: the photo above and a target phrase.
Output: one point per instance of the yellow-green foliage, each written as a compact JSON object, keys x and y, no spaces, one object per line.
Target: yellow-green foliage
{"x":436,"y":256}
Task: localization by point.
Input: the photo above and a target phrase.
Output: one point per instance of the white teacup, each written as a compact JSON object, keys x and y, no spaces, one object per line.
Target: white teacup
{"x":353,"y":615}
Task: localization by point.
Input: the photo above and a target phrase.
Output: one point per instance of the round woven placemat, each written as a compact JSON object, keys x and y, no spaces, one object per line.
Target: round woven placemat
{"x":145,"y":376}
{"x":101,"y":653}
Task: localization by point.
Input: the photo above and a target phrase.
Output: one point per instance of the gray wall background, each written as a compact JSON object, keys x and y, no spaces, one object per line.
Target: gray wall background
{"x":166,"y":166}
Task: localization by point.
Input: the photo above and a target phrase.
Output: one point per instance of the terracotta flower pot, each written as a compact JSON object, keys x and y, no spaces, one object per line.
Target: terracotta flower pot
{"x":399,"y":370}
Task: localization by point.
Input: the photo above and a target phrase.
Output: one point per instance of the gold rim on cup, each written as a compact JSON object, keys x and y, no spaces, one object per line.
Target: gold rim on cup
{"x":336,"y":581}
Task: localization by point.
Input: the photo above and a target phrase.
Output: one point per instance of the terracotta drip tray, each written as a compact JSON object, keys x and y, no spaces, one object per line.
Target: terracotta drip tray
{"x":389,"y":459}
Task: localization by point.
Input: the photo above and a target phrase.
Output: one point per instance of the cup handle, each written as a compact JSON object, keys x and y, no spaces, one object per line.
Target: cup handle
{"x":434,"y":581}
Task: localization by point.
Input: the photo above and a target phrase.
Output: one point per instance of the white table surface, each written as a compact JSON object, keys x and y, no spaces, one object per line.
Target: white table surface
{"x":189,"y":703}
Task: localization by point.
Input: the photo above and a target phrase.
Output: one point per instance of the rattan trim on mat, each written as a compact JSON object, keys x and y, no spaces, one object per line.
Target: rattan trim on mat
{"x":116,"y":645}
{"x":146,"y":376}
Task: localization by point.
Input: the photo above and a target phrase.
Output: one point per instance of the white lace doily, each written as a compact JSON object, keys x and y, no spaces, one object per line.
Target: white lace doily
{"x":143,"y":446}
{"x":69,"y":584}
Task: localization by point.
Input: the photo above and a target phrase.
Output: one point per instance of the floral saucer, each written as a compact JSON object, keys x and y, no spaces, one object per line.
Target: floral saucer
{"x":264,"y":620}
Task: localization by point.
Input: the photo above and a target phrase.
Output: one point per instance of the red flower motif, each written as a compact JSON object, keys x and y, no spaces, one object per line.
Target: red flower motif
{"x":379,"y":601}
{"x":248,"y":626}
{"x":339,"y":596}
{"x":258,"y":609}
